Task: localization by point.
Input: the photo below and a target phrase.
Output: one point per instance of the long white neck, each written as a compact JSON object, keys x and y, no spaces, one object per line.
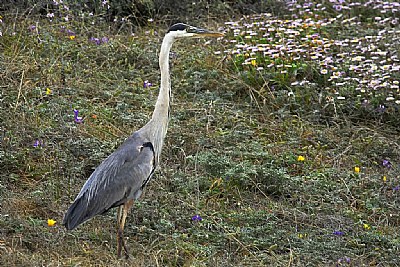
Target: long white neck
{"x":156,"y":128}
{"x":161,"y":109}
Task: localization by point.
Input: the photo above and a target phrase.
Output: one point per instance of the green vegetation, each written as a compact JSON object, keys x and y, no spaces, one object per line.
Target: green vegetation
{"x":283,"y":145}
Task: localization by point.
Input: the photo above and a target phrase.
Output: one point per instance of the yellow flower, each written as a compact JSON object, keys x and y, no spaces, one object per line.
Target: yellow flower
{"x":72,"y":37}
{"x":357,"y":169}
{"x":301,"y":158}
{"x":48,"y":91}
{"x":358,"y":58}
{"x":366,"y":226}
{"x":300,"y":235}
{"x":253,"y":62}
{"x":384,"y":178}
{"x":51,"y":222}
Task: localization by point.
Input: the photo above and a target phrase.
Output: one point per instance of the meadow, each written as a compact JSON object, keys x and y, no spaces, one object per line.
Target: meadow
{"x":283,"y":146}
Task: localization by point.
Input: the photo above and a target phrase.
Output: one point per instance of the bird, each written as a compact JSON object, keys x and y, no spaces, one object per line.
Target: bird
{"x":121,"y":178}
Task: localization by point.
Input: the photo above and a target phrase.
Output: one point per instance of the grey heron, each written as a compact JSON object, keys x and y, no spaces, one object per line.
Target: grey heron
{"x":122,"y":176}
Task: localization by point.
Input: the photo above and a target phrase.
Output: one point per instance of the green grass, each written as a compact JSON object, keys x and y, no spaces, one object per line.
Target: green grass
{"x":231,"y":156}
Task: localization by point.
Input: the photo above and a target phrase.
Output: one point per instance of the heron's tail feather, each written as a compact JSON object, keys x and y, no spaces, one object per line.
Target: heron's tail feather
{"x":76,"y":214}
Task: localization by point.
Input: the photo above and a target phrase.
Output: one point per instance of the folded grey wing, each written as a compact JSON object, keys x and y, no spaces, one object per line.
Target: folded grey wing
{"x":117,"y":179}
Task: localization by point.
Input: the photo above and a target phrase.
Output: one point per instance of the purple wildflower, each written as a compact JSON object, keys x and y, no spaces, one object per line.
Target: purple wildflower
{"x":315,"y":36}
{"x":396,"y":188}
{"x":338,"y":7}
{"x":147,"y":84}
{"x":343,"y":260}
{"x":338,"y":233}
{"x":104,"y":40}
{"x":37,"y":144}
{"x":98,"y":41}
{"x":77,"y":119}
{"x":386,"y":163}
{"x":95,"y":40}
{"x":197,"y":218}
{"x":70,"y":33}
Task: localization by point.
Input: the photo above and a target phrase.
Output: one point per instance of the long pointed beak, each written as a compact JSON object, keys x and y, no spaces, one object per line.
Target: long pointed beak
{"x":206,"y":33}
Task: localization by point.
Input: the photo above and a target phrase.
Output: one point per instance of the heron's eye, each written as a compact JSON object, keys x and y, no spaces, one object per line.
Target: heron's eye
{"x":190,"y":29}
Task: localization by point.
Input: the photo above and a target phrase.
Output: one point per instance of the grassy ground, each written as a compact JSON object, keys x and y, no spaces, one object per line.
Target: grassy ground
{"x":289,"y":164}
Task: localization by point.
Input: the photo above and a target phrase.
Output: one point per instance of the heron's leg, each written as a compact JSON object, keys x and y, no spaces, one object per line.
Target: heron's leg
{"x":119,"y":237}
{"x":119,"y":215}
{"x":121,"y":241}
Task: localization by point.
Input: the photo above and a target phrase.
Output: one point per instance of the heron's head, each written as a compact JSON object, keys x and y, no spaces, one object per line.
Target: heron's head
{"x":181,"y":30}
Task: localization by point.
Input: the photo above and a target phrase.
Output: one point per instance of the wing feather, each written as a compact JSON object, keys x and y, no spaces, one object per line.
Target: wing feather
{"x":117,"y":179}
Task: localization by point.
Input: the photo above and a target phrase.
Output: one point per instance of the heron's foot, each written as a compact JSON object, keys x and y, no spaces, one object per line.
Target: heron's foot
{"x":126,"y":250}
{"x":121,"y":244}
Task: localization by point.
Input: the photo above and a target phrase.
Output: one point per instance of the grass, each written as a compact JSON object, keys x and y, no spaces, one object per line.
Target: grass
{"x":232,"y":151}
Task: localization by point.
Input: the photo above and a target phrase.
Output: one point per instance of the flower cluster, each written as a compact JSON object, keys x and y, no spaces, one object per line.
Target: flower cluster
{"x":312,"y":38}
{"x":197,"y":218}
{"x":98,"y":41}
{"x":344,"y":260}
